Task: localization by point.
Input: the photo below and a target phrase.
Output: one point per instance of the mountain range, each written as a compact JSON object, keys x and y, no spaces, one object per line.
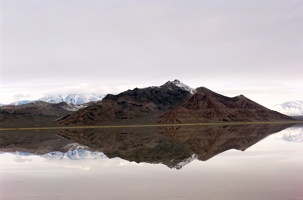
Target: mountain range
{"x":170,"y":103}
{"x":290,"y":108}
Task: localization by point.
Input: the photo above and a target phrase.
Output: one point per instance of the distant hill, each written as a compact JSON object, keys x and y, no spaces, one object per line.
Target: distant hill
{"x":291,"y":108}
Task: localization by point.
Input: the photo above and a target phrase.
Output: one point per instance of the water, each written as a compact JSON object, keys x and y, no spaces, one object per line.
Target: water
{"x":197,"y":162}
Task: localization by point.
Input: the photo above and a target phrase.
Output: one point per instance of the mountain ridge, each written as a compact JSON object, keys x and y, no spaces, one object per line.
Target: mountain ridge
{"x":172,"y":102}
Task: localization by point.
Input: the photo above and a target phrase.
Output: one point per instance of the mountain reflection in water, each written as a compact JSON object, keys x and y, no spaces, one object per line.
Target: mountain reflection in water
{"x":172,"y":146}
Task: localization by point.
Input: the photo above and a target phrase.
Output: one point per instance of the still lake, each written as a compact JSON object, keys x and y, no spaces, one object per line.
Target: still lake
{"x":246,"y":162}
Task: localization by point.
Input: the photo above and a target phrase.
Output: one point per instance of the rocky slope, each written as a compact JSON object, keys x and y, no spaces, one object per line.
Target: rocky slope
{"x":207,"y":106}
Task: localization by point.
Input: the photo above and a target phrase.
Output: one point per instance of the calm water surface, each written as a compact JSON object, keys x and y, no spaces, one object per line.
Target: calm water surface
{"x":222,"y":162}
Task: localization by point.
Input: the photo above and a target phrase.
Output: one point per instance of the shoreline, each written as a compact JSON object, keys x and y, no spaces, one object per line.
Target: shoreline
{"x":147,"y":125}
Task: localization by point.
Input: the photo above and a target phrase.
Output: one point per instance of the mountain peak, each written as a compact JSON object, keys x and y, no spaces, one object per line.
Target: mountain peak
{"x":181,"y":85}
{"x":241,"y":96}
{"x":176,"y":81}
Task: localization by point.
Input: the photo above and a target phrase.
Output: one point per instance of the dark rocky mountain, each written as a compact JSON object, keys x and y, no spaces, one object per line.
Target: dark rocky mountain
{"x":207,"y":106}
{"x":171,"y":103}
{"x":132,"y":106}
{"x":37,"y":113}
{"x":171,"y":146}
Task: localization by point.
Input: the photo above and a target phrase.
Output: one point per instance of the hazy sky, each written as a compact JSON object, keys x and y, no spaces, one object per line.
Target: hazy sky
{"x":233,"y":47}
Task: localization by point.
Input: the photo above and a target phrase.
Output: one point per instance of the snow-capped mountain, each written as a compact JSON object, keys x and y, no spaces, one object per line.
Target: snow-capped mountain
{"x":52,"y":98}
{"x":179,"y":84}
{"x":76,"y":99}
{"x":183,"y":86}
{"x":292,"y":108}
{"x":73,"y":98}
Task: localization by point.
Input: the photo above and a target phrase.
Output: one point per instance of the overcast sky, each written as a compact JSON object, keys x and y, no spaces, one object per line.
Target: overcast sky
{"x":233,"y":47}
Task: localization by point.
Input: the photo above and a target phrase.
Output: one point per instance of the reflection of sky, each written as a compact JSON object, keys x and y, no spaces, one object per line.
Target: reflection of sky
{"x":271,"y":169}
{"x":292,"y":134}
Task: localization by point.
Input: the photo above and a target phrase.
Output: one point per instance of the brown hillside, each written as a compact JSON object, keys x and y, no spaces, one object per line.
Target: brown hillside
{"x":208,"y":106}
